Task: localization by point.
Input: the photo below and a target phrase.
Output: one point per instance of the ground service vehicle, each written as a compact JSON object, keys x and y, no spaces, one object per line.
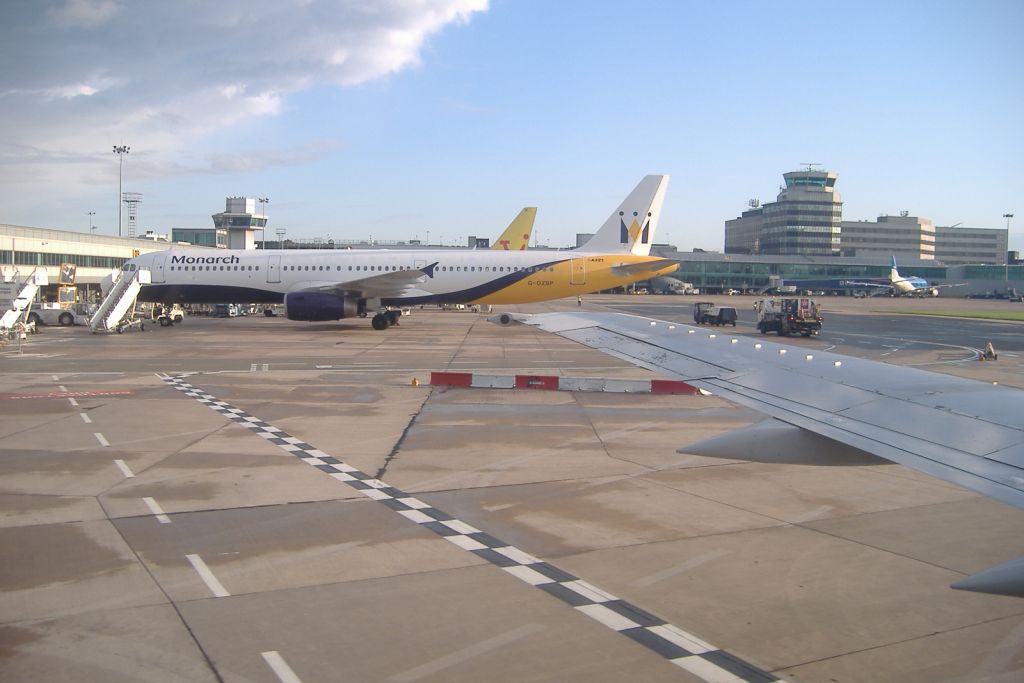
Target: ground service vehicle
{"x":225,"y":311}
{"x":788,"y":316}
{"x":75,"y":314}
{"x":707,"y":313}
{"x":168,"y":315}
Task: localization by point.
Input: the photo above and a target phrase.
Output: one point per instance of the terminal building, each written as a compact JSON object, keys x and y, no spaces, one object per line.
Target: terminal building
{"x":24,"y":250}
{"x":807,"y":220}
{"x":716,"y":273}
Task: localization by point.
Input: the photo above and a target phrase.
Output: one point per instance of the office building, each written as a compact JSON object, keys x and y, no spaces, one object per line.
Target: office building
{"x":908,"y":238}
{"x":806,"y":220}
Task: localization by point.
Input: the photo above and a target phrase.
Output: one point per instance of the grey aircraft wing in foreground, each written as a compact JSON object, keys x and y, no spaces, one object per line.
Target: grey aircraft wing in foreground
{"x":826,"y":408}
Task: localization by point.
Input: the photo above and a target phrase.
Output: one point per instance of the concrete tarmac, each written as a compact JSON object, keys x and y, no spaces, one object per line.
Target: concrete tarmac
{"x":147,"y":537}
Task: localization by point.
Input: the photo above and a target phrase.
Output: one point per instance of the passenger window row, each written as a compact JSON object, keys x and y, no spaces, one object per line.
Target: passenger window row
{"x":458,"y":269}
{"x":214,"y":268}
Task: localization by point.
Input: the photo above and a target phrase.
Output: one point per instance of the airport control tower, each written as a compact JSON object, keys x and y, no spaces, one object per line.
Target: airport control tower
{"x":807,"y":216}
{"x":241,"y":221}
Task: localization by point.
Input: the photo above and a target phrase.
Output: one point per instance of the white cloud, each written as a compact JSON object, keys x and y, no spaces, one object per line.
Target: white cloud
{"x":83,"y":13}
{"x":92,"y":73}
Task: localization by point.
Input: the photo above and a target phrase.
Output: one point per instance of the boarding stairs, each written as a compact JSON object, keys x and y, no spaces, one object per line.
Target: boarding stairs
{"x":118,"y":306}
{"x":19,"y":306}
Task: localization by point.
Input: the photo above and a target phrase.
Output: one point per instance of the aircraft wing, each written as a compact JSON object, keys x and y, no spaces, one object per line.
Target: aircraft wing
{"x":853,"y":283}
{"x":830,"y":409}
{"x":393,"y":284}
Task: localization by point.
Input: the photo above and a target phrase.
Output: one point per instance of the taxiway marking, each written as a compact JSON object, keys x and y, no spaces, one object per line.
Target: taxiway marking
{"x":215,"y":586}
{"x":86,"y":419}
{"x":157,"y":511}
{"x":125,"y":470}
{"x":103,"y":441}
{"x":280,"y":667}
{"x":64,"y":394}
{"x":682,"y":649}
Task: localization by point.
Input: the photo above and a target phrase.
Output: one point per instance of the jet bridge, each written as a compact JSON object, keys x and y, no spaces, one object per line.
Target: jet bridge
{"x":18,"y":307}
{"x":118,"y":307}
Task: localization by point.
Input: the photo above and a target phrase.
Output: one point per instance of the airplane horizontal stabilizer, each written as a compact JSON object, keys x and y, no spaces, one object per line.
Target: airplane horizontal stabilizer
{"x":643,"y":267}
{"x":1003,"y":579}
{"x":775,"y":441}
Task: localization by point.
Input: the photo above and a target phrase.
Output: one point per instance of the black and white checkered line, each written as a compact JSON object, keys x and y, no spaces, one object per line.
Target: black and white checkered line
{"x":674,"y":644}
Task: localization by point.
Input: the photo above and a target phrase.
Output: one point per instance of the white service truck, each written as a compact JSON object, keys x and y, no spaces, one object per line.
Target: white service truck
{"x":74,"y":314}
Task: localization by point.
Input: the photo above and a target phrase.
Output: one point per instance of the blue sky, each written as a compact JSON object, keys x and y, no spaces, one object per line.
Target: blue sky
{"x":394,"y":119}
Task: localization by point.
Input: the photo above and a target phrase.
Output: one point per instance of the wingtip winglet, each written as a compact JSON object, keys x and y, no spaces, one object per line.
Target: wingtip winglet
{"x":1003,"y":579}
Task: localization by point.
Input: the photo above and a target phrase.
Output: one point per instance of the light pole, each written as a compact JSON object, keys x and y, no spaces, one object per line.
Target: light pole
{"x":91,"y":229}
{"x":120,"y":151}
{"x":263,"y":212}
{"x":1006,"y":272}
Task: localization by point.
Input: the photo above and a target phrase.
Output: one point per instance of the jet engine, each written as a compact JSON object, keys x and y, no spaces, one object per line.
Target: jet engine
{"x":318,"y":306}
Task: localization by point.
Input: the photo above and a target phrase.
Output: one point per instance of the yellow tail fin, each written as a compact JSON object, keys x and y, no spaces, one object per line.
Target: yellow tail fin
{"x":517,"y":235}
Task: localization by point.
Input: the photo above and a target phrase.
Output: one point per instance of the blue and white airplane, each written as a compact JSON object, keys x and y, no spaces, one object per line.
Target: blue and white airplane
{"x":904,"y":286}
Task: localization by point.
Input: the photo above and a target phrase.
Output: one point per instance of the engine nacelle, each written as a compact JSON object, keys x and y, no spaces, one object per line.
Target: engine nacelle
{"x":318,"y":306}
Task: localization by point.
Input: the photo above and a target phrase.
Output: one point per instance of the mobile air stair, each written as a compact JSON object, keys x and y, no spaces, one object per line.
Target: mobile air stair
{"x":117,"y":311}
{"x":15,"y":317}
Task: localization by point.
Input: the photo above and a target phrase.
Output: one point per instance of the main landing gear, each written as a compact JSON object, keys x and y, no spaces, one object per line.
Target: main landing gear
{"x":385,"y":319}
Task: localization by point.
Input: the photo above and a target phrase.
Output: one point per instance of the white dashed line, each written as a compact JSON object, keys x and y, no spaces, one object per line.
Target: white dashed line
{"x":86,"y":419}
{"x":157,"y":511}
{"x":124,"y":469}
{"x":62,"y":388}
{"x":72,"y":400}
{"x":101,"y":439}
{"x":280,"y":667}
{"x":207,"y":576}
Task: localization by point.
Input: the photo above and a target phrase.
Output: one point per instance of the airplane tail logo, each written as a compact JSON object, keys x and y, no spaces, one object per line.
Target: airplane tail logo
{"x":629,"y":235}
{"x":517,"y":235}
{"x":631,"y":228}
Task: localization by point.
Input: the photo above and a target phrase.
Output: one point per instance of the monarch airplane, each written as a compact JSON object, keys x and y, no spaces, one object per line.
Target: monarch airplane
{"x":317,"y":285}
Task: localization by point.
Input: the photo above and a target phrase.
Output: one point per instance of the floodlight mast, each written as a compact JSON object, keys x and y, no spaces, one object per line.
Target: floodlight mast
{"x":120,"y":151}
{"x":263,"y":214}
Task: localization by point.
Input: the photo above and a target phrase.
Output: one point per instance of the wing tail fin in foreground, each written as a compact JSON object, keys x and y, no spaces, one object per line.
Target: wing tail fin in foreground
{"x":631,"y":227}
{"x":962,"y":431}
